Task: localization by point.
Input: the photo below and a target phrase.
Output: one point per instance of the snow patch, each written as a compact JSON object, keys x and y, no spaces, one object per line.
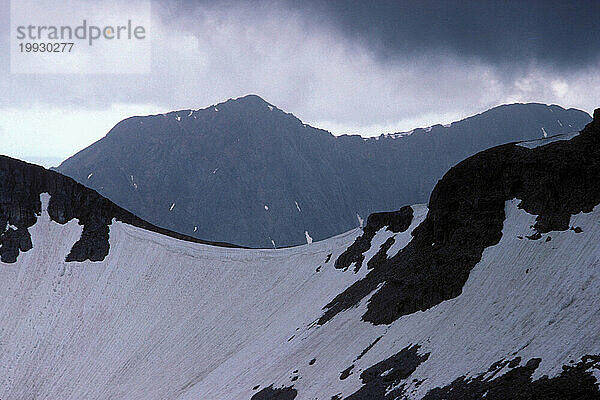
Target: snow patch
{"x":531,"y":144}
{"x":133,"y":182}
{"x":361,"y":221}
{"x":309,"y":240}
{"x":402,"y":238}
{"x":380,"y":238}
{"x":596,"y":373}
{"x":546,"y":315}
{"x":400,"y":134}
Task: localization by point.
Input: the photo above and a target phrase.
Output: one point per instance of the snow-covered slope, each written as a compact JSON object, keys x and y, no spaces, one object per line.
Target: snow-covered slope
{"x":156,"y":318}
{"x":489,"y":294}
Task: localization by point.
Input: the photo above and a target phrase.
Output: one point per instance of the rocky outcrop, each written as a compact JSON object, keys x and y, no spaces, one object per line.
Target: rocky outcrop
{"x":390,"y":372}
{"x":20,"y":187}
{"x":270,"y":393}
{"x":396,"y":221}
{"x":466,"y":215}
{"x":575,"y":382}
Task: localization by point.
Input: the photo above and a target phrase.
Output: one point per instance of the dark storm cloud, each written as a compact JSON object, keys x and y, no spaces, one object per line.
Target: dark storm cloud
{"x":350,"y":67}
{"x":508,"y":34}
{"x":553,"y":32}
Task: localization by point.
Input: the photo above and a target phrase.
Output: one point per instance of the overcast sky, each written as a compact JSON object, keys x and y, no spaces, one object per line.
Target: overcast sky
{"x":347,"y":66}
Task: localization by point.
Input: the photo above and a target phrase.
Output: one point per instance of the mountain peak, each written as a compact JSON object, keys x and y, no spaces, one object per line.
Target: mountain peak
{"x":249,"y":98}
{"x":310,"y":180}
{"x":249,"y":101}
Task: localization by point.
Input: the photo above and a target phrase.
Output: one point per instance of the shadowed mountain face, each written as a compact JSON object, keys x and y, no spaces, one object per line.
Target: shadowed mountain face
{"x":246,"y":172}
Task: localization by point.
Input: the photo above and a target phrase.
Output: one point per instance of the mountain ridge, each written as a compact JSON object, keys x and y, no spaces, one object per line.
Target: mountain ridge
{"x":258,"y":102}
{"x":241,"y":172}
{"x":22,"y":183}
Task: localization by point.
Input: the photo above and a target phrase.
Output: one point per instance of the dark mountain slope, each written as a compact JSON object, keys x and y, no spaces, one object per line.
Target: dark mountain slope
{"x":246,"y":172}
{"x":22,"y":183}
{"x":466,"y":215}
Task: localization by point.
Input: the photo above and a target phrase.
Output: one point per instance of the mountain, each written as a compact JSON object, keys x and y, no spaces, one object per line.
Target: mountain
{"x":246,"y":172}
{"x":490,"y":291}
{"x":21,"y":185}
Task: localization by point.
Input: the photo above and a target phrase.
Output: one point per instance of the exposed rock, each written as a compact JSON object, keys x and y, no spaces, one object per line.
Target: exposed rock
{"x":369,"y":347}
{"x":268,"y":393}
{"x":381,"y":377}
{"x":20,"y":187}
{"x":346,"y":373}
{"x":466,"y":215}
{"x":574,"y":382}
{"x":396,"y":221}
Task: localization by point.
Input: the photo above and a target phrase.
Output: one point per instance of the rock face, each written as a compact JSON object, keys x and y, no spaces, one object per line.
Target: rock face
{"x":396,"y":221}
{"x":574,"y":382}
{"x":269,"y":393}
{"x":466,"y":214}
{"x":246,"y":172}
{"x":21,"y":185}
{"x":377,"y":378}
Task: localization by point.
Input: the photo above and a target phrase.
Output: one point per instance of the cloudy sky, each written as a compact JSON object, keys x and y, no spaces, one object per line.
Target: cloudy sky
{"x":347,"y":66}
